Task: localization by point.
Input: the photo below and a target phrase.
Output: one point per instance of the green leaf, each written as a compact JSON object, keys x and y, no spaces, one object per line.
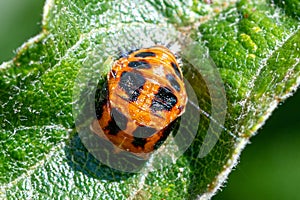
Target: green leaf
{"x":254,"y":44}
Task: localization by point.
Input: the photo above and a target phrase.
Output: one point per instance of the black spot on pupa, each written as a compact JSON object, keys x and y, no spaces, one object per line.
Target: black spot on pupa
{"x":119,"y":118}
{"x":112,"y":127}
{"x":145,"y":54}
{"x":173,"y":82}
{"x":99,"y":107}
{"x":166,"y":133}
{"x":139,"y":65}
{"x":100,"y":99}
{"x":139,"y":142}
{"x":136,"y":93}
{"x":176,"y":69}
{"x":132,"y":83}
{"x":163,"y":100}
{"x":143,"y":132}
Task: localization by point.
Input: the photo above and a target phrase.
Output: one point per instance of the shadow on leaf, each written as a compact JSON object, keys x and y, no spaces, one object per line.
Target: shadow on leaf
{"x":81,"y":160}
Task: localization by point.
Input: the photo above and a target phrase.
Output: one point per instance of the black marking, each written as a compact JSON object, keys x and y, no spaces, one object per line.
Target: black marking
{"x":132,"y":83}
{"x":144,"y":132}
{"x":112,"y":127}
{"x":99,"y":107}
{"x":139,"y":142}
{"x":119,"y":118}
{"x":166,"y":132}
{"x":176,"y":69}
{"x":173,"y":82}
{"x":100,"y":99}
{"x":163,"y":100}
{"x":139,"y":64}
{"x":136,"y":93}
{"x":145,"y":54}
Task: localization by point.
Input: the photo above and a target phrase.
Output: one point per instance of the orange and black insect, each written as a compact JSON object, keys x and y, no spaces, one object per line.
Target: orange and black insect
{"x":145,"y":94}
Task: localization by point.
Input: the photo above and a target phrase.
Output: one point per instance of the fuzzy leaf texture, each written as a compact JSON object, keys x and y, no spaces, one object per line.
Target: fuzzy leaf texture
{"x":254,"y":44}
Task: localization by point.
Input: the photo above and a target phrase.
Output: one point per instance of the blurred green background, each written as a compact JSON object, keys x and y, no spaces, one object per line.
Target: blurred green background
{"x":269,"y":167}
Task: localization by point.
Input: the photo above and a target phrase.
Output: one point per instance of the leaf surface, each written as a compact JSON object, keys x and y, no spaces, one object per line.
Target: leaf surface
{"x":254,"y":44}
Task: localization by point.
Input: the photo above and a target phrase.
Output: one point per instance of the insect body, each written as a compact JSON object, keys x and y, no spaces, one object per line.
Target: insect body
{"x":145,"y":94}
